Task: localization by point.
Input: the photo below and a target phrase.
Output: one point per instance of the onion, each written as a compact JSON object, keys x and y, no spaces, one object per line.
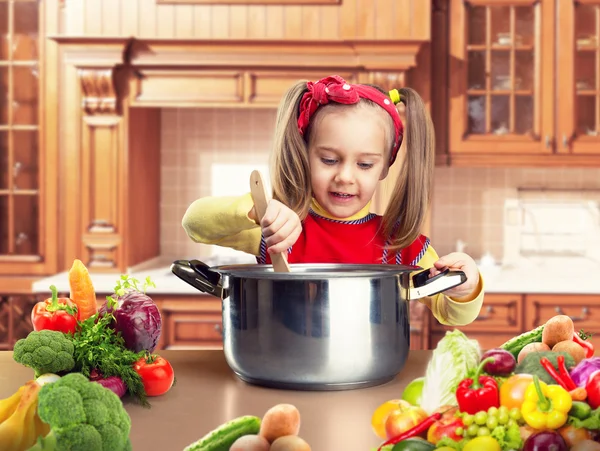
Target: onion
{"x":47,"y":378}
{"x":113,"y":383}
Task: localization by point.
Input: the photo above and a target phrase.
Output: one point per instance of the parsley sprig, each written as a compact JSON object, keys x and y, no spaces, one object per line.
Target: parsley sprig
{"x":125,"y":284}
{"x":98,"y":346}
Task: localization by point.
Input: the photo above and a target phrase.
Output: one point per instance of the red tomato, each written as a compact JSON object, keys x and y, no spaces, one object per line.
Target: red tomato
{"x":157,"y":374}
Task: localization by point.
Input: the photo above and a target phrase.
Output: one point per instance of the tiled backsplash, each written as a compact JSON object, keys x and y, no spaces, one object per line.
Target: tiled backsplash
{"x":192,"y":141}
{"x":468,"y":202}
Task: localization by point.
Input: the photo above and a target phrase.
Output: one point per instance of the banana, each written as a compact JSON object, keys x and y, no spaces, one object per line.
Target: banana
{"x":9,"y":405}
{"x":14,"y":431}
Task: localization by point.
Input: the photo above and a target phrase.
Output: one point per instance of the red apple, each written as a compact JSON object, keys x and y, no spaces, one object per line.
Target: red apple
{"x":445,"y":427}
{"x":403,"y":419}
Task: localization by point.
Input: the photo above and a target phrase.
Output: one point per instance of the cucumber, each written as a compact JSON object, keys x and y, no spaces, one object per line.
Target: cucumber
{"x":580,"y":410}
{"x":515,"y":344}
{"x":413,"y":444}
{"x":225,"y":435}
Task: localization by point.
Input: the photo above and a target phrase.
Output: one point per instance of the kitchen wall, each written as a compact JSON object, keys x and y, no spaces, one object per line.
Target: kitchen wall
{"x":468,"y":202}
{"x":193,"y":141}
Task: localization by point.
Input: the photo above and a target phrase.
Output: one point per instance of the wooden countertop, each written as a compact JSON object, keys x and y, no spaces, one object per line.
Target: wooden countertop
{"x":208,"y":394}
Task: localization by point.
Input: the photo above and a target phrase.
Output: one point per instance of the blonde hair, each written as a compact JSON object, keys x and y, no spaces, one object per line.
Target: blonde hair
{"x":405,"y":214}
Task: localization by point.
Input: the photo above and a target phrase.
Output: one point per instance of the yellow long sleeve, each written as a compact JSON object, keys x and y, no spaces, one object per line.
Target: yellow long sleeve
{"x":446,"y":310}
{"x":223,"y":221}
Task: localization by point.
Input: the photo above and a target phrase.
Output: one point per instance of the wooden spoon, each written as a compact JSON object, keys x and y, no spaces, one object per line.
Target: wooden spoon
{"x":261,"y":199}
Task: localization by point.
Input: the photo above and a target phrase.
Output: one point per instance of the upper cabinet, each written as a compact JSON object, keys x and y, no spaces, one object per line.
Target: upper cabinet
{"x":324,"y":20}
{"x":523,"y":85}
{"x":578,"y":77}
{"x":24,"y":246}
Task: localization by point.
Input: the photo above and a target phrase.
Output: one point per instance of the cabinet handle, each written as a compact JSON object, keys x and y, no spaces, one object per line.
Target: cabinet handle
{"x":219,"y":329}
{"x":548,"y":141}
{"x":489,"y":312}
{"x":565,"y":141}
{"x":584,"y":314}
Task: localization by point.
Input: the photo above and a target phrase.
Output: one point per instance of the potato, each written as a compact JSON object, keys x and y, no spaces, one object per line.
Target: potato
{"x":280,"y":420}
{"x":289,"y":443}
{"x":532,"y":347}
{"x":250,"y":443}
{"x":586,"y":445}
{"x":558,"y":328}
{"x":570,"y":347}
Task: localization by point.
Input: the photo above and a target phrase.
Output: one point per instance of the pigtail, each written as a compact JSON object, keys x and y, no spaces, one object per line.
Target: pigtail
{"x":289,"y":165}
{"x":405,"y":214}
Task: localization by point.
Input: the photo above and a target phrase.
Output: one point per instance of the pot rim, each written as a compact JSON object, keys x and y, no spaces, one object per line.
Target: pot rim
{"x":315,"y":271}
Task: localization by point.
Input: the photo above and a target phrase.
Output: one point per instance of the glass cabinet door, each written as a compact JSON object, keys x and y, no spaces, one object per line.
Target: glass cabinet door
{"x":579,"y":76}
{"x":19,"y":131}
{"x":499,"y":75}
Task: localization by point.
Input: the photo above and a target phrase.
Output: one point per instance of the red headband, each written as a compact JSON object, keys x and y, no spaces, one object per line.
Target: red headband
{"x":335,"y":89}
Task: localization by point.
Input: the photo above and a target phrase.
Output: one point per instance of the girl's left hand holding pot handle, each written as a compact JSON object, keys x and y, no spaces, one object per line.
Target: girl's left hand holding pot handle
{"x":458,"y":261}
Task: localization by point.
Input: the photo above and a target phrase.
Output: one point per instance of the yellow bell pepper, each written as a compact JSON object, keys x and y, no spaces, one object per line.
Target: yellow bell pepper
{"x":545,"y":406}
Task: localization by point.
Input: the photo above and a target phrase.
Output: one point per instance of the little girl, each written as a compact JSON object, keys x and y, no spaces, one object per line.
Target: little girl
{"x":333,"y":142}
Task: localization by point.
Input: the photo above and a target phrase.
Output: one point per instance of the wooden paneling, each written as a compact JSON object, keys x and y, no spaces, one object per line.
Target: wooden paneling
{"x":363,"y":19}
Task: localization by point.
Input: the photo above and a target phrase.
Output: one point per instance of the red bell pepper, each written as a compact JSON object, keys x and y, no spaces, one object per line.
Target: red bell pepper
{"x":55,"y":314}
{"x":581,"y":338}
{"x":592,"y":389}
{"x":479,"y":393}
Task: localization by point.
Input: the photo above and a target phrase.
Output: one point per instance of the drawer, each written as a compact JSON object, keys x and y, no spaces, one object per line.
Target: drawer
{"x":192,"y":330}
{"x":486,"y":341}
{"x":499,"y":313}
{"x":584,"y":310}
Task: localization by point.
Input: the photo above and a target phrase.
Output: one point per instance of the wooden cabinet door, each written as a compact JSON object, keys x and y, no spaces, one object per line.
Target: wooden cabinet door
{"x":501,"y":76}
{"x":578,"y":76}
{"x":26,"y":243}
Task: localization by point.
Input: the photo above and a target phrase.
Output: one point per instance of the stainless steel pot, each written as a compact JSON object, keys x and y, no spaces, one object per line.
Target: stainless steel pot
{"x":318,"y":327}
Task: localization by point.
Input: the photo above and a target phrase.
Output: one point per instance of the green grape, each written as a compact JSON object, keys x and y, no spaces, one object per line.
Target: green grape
{"x":511,"y":423}
{"x":515,"y":414}
{"x":491,"y":422}
{"x":459,"y":431}
{"x":481,"y":418}
{"x":472,"y":430}
{"x":467,"y":420}
{"x":483,"y":431}
{"x":503,"y":409}
{"x":493,"y":411}
{"x":503,"y":417}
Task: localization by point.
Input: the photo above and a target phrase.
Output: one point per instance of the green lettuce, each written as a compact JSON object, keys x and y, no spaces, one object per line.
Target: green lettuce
{"x":454,"y":358}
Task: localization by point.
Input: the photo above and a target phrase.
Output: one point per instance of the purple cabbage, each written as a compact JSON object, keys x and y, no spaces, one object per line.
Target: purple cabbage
{"x":582,"y":371}
{"x":137,"y":318}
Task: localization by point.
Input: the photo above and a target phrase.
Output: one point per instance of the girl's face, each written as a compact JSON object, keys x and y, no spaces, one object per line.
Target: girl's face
{"x":348,"y":155}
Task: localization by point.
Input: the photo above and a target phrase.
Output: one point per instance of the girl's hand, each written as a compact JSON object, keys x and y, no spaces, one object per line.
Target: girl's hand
{"x":280,"y":226}
{"x":461,"y":262}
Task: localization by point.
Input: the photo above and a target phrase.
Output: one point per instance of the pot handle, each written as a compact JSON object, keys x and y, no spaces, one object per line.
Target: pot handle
{"x":198,"y":275}
{"x":424,"y":286}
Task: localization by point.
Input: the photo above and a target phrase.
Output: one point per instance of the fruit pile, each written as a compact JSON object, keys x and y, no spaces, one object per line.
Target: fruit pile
{"x":538,"y":391}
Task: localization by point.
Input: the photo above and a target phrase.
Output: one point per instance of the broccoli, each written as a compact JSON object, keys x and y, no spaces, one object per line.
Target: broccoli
{"x":45,"y":351}
{"x":83,"y":416}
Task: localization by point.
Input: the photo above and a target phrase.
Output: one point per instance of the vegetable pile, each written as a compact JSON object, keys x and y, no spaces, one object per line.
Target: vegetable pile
{"x":85,"y":360}
{"x":277,"y":430}
{"x":538,"y":391}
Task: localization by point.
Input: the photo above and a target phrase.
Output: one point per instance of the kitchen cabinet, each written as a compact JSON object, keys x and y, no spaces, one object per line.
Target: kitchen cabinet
{"x":504,"y":316}
{"x":26,"y":172}
{"x":524,"y":83}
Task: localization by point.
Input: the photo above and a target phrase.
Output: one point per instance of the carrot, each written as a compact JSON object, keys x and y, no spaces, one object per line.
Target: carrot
{"x":82,"y":290}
